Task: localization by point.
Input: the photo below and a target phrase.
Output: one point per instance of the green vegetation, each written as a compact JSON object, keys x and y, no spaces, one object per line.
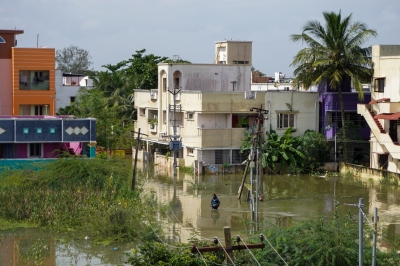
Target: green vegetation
{"x":186,"y":169}
{"x":303,"y":154}
{"x":92,"y":196}
{"x":282,"y":149}
{"x":334,"y":55}
{"x":318,"y":241}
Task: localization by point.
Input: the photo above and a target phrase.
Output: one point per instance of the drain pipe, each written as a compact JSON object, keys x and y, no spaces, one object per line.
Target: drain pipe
{"x":269,"y":113}
{"x":316,"y":116}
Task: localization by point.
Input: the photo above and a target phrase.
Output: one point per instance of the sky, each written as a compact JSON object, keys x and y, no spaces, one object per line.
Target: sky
{"x":112,"y":30}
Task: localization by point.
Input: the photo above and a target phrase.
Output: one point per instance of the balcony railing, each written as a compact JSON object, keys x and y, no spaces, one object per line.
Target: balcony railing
{"x":35,"y":85}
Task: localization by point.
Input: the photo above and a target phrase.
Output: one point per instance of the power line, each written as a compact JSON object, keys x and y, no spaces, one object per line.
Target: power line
{"x":225,"y":251}
{"x":274,"y":249}
{"x":249,"y":250}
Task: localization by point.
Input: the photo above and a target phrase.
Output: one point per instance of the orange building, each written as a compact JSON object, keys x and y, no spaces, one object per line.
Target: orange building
{"x":27,"y":78}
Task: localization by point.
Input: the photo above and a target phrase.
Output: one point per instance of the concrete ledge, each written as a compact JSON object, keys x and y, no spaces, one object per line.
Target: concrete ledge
{"x":365,"y":172}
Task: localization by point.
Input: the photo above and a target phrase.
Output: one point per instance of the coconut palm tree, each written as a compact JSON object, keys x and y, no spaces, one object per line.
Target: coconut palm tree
{"x":334,"y":53}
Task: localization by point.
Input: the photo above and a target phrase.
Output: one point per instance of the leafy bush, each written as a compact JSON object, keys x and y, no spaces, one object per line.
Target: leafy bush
{"x":90,"y":195}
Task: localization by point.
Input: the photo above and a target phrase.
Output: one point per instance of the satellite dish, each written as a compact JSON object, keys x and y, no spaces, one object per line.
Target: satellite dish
{"x":276,"y":85}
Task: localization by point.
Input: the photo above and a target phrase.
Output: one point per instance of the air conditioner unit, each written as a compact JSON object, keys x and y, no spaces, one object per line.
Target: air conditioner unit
{"x":250,"y":95}
{"x":153,"y":95}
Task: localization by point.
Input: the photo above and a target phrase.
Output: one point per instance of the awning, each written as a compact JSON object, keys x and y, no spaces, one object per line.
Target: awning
{"x":393,"y":116}
{"x":379,"y":100}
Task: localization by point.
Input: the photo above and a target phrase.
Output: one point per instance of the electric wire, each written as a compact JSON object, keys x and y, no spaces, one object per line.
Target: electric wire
{"x":162,"y":241}
{"x":225,"y":251}
{"x":251,"y":253}
{"x":201,"y":255}
{"x":274,"y":249}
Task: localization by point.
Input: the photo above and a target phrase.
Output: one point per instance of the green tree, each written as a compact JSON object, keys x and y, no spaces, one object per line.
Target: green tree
{"x":281,"y":149}
{"x":333,"y":54}
{"x":146,"y":66}
{"x":74,"y":59}
{"x":350,"y":132}
{"x":315,"y":148}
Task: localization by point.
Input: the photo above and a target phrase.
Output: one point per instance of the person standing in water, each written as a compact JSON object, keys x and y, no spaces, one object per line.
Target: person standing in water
{"x":215,"y":202}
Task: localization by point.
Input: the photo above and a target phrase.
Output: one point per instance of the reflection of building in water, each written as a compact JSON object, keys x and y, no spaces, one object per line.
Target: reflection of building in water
{"x":25,"y":250}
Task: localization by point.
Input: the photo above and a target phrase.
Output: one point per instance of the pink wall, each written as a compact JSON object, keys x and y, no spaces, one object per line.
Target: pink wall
{"x":52,"y":150}
{"x":5,"y":87}
{"x":21,"y":150}
{"x":76,"y":146}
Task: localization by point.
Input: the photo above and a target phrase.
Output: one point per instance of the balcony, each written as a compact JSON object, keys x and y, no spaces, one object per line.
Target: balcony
{"x":221,"y":138}
{"x":34,"y":80}
{"x":36,"y":85}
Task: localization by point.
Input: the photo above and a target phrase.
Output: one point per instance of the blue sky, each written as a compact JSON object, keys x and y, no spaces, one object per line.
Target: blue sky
{"x":112,"y":30}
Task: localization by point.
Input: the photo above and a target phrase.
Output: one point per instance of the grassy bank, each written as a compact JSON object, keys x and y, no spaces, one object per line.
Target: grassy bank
{"x":87,"y":196}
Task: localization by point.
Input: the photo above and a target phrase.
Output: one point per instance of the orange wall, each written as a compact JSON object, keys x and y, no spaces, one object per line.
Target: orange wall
{"x":33,"y":59}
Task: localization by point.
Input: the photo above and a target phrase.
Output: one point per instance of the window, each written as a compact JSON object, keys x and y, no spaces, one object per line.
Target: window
{"x":38,"y":109}
{"x":2,"y":40}
{"x":35,"y":150}
{"x":164,"y":117}
{"x":286,"y":120}
{"x":240,"y":62}
{"x":34,"y":109}
{"x":72,"y":99}
{"x":164,"y":84}
{"x":190,"y":116}
{"x":34,"y":80}
{"x":176,"y":83}
{"x":189,"y":151}
{"x":142,"y":111}
{"x":383,"y":161}
{"x":379,"y":85}
{"x":238,"y":157}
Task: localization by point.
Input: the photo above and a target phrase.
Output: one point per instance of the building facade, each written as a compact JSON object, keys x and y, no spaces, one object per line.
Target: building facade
{"x":209,"y":108}
{"x":67,"y":87}
{"x":382,"y":113}
{"x":28,"y":125}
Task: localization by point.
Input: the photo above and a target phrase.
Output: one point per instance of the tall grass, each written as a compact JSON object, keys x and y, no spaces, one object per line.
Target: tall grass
{"x":91,"y":196}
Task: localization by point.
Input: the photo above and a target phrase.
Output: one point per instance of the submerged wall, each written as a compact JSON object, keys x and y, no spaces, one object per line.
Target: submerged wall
{"x":365,"y":172}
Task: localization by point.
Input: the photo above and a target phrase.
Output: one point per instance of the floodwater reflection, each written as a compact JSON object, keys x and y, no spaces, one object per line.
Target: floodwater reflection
{"x":287,"y":199}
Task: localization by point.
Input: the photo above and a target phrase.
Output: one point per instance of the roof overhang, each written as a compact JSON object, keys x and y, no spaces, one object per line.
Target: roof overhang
{"x":379,"y":100}
{"x":393,"y":116}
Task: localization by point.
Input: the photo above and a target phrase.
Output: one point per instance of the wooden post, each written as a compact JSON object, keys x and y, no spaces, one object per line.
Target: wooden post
{"x":134,"y":165}
{"x":135,"y":162}
{"x":228,"y":245}
{"x":244,"y":179}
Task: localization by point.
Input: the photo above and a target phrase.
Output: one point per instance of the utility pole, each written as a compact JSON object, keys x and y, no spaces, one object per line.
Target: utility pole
{"x":228,"y":246}
{"x":136,"y":155}
{"x":175,"y":144}
{"x":376,"y":218}
{"x":360,"y":232}
{"x":255,"y":143}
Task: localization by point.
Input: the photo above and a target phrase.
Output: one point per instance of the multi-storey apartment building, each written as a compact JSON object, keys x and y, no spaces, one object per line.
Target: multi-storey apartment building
{"x":28,"y":127}
{"x":382,"y":113}
{"x":210,"y":106}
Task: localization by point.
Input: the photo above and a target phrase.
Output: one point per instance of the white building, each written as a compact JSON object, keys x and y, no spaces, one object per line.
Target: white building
{"x":67,"y":87}
{"x":212,"y":108}
{"x":383,"y":112}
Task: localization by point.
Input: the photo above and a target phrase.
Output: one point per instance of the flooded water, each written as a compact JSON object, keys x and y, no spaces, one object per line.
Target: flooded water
{"x":287,"y":199}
